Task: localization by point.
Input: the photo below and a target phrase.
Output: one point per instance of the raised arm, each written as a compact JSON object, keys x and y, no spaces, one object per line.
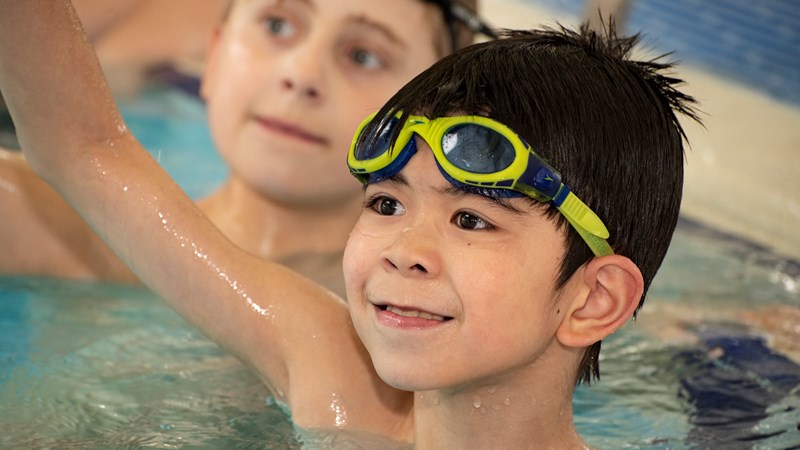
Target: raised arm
{"x":293,"y":332}
{"x":74,"y":137}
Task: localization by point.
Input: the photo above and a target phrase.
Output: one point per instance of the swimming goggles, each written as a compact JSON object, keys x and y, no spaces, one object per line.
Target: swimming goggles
{"x":476,"y":153}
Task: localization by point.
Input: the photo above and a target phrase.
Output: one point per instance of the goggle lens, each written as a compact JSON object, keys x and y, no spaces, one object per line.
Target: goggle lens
{"x":477,"y":149}
{"x":374,"y":146}
{"x":469,"y":147}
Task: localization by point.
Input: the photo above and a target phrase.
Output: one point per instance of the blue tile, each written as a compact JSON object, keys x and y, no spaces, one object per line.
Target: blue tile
{"x":756,"y":43}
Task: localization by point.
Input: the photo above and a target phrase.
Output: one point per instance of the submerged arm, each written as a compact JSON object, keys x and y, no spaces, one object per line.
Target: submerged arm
{"x":284,"y":325}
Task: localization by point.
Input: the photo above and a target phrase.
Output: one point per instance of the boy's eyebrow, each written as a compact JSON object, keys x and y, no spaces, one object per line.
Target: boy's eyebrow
{"x":381,"y":28}
{"x":453,"y":191}
{"x":397,"y":178}
{"x":362,"y":19}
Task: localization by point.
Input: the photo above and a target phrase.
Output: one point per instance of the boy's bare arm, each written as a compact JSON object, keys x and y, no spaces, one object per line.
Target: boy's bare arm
{"x":40,"y":234}
{"x":75,"y":139}
{"x":274,"y":319}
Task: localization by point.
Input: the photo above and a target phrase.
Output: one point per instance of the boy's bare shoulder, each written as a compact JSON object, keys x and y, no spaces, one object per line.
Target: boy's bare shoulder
{"x":299,"y":337}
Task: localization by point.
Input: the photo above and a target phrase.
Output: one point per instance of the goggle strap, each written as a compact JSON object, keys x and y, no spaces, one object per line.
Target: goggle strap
{"x":598,"y":245}
{"x":561,"y":195}
{"x":586,"y":223}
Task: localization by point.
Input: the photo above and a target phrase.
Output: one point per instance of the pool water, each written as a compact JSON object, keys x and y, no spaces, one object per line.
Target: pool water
{"x":88,"y":365}
{"x":172,"y":126}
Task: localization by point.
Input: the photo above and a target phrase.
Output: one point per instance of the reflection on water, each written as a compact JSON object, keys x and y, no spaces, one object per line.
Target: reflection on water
{"x":105,"y":366}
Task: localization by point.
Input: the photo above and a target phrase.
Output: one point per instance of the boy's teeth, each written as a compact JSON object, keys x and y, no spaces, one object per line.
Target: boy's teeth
{"x":410,"y":313}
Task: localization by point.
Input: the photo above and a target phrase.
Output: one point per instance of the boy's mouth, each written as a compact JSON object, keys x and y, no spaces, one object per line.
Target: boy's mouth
{"x":291,"y":130}
{"x":412,"y":313}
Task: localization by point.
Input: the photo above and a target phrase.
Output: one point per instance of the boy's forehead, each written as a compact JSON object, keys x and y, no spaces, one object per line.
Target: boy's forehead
{"x":408,"y":20}
{"x":382,"y":8}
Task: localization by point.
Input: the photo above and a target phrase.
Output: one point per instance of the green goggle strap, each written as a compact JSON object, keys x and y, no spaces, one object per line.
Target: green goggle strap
{"x":580,"y":216}
{"x":587,"y":224}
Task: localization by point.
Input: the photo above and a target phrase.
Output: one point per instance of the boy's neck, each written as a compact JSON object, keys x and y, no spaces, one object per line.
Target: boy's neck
{"x":536,"y":415}
{"x":264,"y":226}
{"x":307,"y":239}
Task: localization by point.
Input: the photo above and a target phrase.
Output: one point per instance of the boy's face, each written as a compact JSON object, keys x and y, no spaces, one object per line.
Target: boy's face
{"x":446,"y":288}
{"x":288,"y":81}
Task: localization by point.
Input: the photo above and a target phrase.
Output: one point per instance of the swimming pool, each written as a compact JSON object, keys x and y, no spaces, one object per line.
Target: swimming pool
{"x":87,"y":365}
{"x":741,"y":59}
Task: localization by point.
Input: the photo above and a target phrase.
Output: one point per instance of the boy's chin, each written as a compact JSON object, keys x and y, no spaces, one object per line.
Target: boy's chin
{"x":400,"y":377}
{"x":412,"y":377}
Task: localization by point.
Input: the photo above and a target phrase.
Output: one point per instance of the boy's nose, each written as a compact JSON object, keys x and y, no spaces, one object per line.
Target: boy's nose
{"x":414,"y":253}
{"x":307,"y":89}
{"x":302,"y":73}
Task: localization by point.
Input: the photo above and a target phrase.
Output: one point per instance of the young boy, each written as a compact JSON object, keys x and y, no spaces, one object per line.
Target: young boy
{"x":475,"y":277}
{"x":285,"y":83}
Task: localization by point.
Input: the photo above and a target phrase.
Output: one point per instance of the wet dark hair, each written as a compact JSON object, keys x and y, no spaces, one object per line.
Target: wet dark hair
{"x":607,"y":122}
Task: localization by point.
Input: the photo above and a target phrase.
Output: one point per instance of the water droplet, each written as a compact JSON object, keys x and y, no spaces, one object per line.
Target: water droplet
{"x":507,"y":402}
{"x":339,"y":411}
{"x":493,"y":389}
{"x":476,"y":402}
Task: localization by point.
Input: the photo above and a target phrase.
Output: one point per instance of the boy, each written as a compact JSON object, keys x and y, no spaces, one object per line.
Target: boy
{"x":475,"y":277}
{"x":285,"y":83}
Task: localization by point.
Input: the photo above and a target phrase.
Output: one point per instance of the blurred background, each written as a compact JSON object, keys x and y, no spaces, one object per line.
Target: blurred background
{"x":741,"y":60}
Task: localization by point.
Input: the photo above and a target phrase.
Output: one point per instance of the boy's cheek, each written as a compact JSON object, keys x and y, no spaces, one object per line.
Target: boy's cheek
{"x":355,"y":260}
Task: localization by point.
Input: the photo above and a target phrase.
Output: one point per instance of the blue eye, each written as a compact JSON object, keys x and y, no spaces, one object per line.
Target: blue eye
{"x":366,"y":58}
{"x":279,"y":26}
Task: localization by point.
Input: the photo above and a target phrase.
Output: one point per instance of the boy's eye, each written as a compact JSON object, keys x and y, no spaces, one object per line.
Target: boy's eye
{"x":470,"y":221}
{"x":279,"y":26}
{"x":365,"y":58}
{"x":386,"y":206}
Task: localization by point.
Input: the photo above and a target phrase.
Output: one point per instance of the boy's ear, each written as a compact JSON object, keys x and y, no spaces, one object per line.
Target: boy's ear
{"x":608,"y":295}
{"x":209,"y":66}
